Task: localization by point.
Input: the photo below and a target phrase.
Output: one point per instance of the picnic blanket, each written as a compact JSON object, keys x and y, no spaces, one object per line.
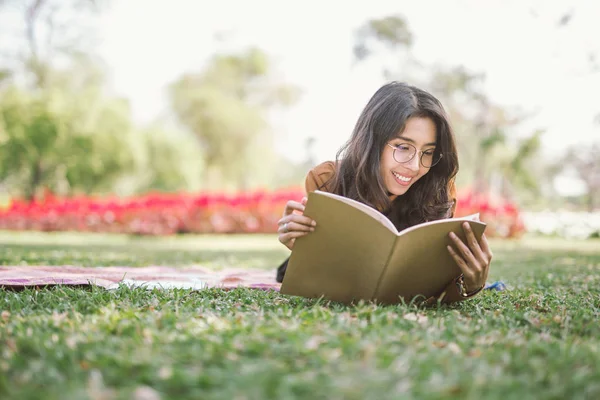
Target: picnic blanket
{"x":194,"y":277}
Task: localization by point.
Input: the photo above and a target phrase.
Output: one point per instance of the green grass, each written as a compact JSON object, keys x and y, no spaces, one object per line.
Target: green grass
{"x":540,"y":339}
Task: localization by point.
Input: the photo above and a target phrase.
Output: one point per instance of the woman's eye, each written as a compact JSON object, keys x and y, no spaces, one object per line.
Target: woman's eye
{"x":402,"y":147}
{"x":429,"y":152}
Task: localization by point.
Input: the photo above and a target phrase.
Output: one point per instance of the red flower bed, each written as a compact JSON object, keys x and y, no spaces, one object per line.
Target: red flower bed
{"x":152,"y":214}
{"x":501,"y":215}
{"x":165,"y":214}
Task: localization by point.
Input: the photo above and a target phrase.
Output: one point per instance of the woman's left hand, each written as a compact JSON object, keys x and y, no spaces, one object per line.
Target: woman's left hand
{"x":473,"y":258}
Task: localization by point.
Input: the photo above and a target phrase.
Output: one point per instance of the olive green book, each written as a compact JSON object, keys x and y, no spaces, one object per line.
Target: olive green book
{"x":356,"y":253}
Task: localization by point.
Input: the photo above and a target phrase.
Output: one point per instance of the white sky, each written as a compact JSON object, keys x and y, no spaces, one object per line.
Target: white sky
{"x":527,"y":60}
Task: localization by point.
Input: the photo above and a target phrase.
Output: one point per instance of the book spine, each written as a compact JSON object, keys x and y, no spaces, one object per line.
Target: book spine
{"x":384,"y":270}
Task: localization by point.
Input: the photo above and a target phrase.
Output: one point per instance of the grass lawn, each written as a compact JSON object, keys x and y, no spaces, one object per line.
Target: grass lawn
{"x":539,"y":339}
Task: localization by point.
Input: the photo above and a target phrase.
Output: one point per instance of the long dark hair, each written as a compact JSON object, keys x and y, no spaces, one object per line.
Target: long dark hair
{"x":358,"y":162}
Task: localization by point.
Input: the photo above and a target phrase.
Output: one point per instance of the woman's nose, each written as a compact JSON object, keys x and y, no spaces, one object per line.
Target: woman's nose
{"x":414,"y":163}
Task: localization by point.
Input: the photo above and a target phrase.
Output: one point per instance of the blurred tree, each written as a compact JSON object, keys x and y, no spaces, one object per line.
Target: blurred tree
{"x":586,"y":162}
{"x":391,"y":31}
{"x":62,"y":138}
{"x":59,"y":129}
{"x":388,"y":35}
{"x":484,"y":132}
{"x":165,"y":160}
{"x":50,"y":33}
{"x":292,"y":173}
{"x":482,"y":128}
{"x":518,"y":169}
{"x":224,"y":106}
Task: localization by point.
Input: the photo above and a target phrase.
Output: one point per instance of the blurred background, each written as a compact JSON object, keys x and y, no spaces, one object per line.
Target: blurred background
{"x":162,"y":117}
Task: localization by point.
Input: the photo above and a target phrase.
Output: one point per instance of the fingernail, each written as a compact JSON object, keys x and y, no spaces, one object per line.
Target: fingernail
{"x":466,"y":225}
{"x":312,"y":229}
{"x":452,"y":235}
{"x":314,"y":223}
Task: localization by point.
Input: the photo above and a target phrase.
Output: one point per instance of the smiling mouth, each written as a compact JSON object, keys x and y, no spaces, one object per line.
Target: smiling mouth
{"x":401,"y":179}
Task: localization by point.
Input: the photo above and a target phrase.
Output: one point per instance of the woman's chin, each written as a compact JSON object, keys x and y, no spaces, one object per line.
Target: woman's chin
{"x":398,"y":190}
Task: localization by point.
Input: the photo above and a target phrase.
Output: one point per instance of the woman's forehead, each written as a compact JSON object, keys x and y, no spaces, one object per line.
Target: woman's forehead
{"x":419,"y":131}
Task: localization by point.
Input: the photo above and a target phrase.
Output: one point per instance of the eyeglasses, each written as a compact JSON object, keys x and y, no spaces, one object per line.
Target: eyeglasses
{"x":404,"y":152}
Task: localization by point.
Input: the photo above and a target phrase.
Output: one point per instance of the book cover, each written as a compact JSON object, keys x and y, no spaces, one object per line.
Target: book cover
{"x":356,"y":253}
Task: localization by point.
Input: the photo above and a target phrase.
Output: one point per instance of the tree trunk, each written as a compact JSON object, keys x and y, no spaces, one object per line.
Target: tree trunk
{"x":36,"y":180}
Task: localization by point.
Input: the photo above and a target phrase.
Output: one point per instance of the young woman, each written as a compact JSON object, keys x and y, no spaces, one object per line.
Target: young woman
{"x":400,"y":159}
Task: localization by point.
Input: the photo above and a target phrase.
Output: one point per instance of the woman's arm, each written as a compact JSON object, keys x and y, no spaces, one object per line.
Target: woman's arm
{"x":294,"y":224}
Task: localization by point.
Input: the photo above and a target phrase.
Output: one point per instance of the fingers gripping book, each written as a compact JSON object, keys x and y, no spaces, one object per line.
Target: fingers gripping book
{"x":356,"y":253}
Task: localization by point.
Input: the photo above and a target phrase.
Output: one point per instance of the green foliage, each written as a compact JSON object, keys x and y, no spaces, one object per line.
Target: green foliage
{"x":224,"y":107}
{"x":538,"y":339}
{"x":585,"y":160}
{"x":391,"y":31}
{"x":4,"y":75}
{"x":64,"y":141}
{"x":58,"y":129}
{"x":526,"y":150}
{"x":72,"y":138}
{"x":165,"y":161}
{"x":455,"y":81}
{"x":78,"y":138}
{"x":61,"y":130}
{"x":497,"y":137}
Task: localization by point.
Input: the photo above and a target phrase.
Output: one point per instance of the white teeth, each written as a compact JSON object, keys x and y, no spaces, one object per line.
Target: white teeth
{"x":400,"y":177}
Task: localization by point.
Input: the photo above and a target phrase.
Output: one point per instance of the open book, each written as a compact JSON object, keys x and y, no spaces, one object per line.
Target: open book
{"x":356,"y":253}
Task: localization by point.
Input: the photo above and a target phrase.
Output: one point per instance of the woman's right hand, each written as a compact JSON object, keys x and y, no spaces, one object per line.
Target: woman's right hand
{"x":294,"y":224}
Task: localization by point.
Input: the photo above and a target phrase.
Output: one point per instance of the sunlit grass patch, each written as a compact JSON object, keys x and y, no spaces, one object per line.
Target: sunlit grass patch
{"x":539,"y":339}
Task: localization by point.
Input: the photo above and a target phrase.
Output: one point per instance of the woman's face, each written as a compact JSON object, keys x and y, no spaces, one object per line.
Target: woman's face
{"x":398,"y":177}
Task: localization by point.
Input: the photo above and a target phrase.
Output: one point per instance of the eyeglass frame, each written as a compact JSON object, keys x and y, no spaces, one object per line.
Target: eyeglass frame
{"x":413,"y":156}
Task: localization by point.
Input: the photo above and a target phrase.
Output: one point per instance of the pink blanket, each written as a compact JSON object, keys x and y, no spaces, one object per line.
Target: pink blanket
{"x":16,"y":277}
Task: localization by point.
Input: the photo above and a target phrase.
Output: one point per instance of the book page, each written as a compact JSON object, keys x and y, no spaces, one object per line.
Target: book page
{"x":343,"y":259}
{"x":420,"y":263}
{"x":472,"y":217}
{"x":364,"y":208}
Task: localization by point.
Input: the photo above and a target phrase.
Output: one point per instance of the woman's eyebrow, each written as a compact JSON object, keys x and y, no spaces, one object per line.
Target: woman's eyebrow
{"x":413,"y":142}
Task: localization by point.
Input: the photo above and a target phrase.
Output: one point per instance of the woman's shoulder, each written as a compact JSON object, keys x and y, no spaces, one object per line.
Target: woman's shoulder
{"x":320,"y":176}
{"x":324,"y":169}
